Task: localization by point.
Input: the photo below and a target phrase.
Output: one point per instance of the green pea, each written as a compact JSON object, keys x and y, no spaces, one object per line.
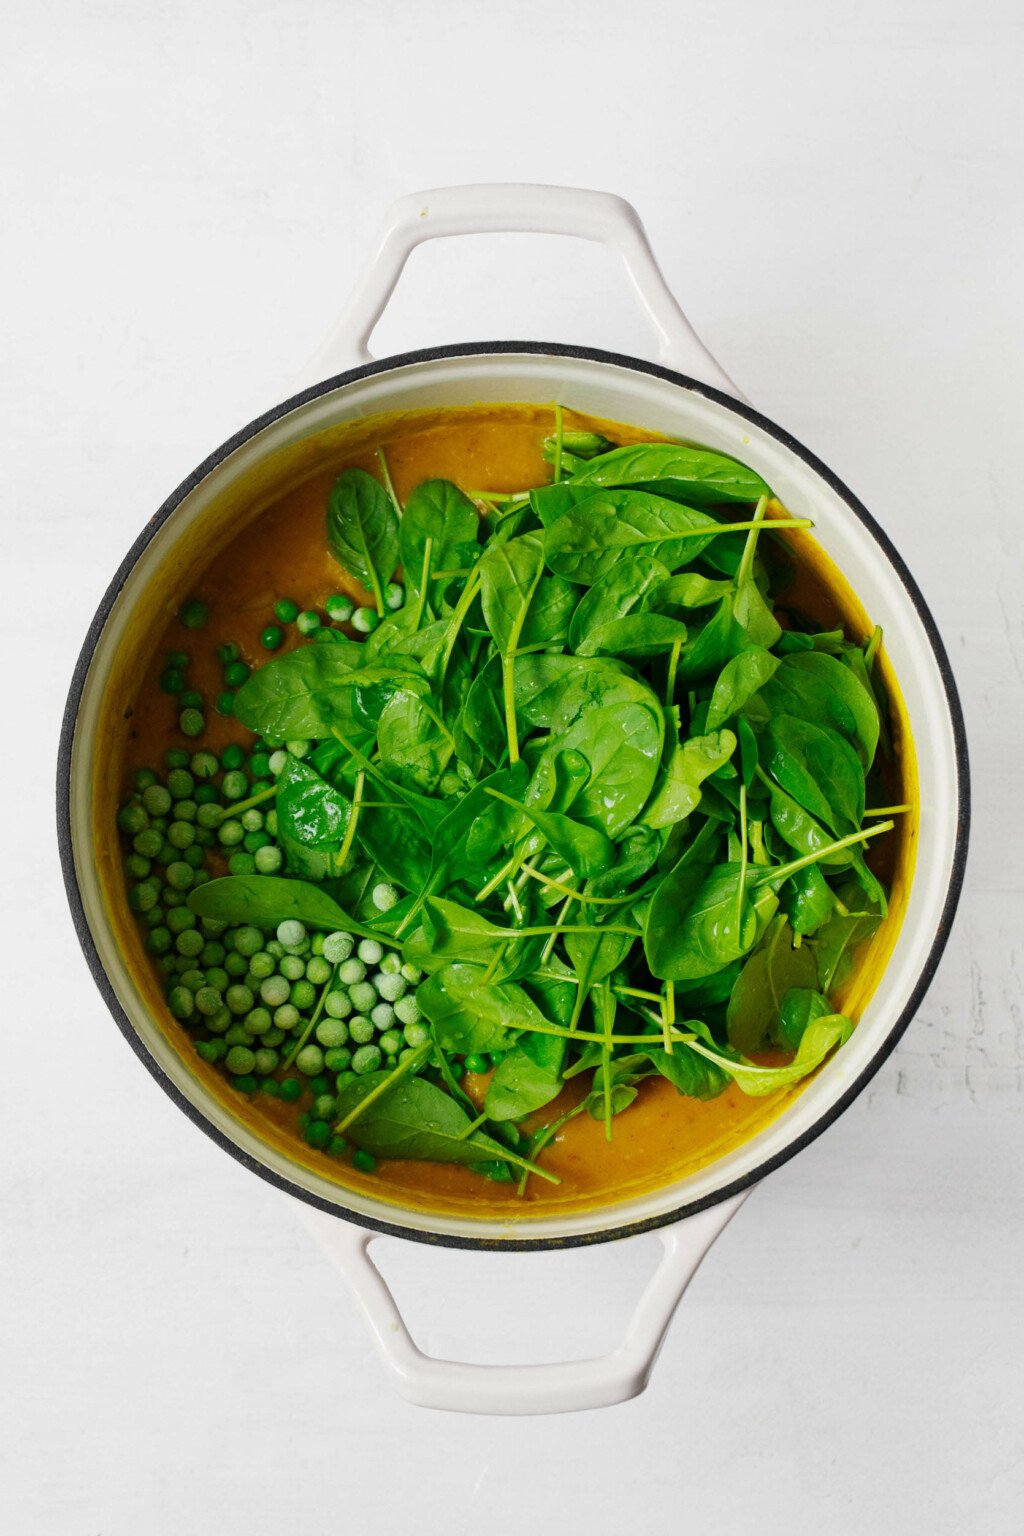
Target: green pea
{"x":143,"y":779}
{"x":225,"y":703}
{"x":132,"y":819}
{"x":191,"y":699}
{"x":179,"y":875}
{"x":286,"y":610}
{"x":193,"y":614}
{"x":191,"y":722}
{"x":366,"y":1059}
{"x":318,"y":970}
{"x":269,"y":1085}
{"x":337,"y":1145}
{"x":217,"y":977}
{"x":156,"y":799}
{"x":307,"y":622}
{"x":178,"y":659}
{"x":158,"y":941}
{"x":172,"y":681}
{"x":318,"y":1133}
{"x":476,"y":1063}
{"x":394,"y":596}
{"x":136,"y":867}
{"x":338,"y":1058}
{"x":230,"y":833}
{"x":291,"y":1089}
{"x":241,"y":864}
{"x":209,"y":1050}
{"x":237,"y":1034}
{"x":203,"y":765}
{"x":259,"y":765}
{"x":239,"y":999}
{"x":302,"y":995}
{"x":268,"y":860}
{"x":236,"y":674}
{"x":272,"y":637}
{"x":181,"y":834}
{"x":186,"y":810}
{"x":144,"y":895}
{"x":310,"y":1060}
{"x":246,"y":1083}
{"x":364,"y":1161}
{"x":339,"y":608}
{"x":181,"y":1002}
{"x":365,"y":620}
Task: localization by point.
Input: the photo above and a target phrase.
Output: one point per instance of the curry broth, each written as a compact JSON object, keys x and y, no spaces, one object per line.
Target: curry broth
{"x":276,"y":547}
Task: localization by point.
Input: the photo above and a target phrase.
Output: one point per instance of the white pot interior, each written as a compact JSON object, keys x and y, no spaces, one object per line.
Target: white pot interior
{"x":619,"y":393}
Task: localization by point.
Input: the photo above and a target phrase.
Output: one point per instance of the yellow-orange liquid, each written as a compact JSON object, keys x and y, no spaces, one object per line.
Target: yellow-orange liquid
{"x":276,"y":547}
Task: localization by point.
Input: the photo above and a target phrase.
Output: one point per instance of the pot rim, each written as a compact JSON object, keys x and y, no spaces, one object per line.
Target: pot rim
{"x":390,"y":364}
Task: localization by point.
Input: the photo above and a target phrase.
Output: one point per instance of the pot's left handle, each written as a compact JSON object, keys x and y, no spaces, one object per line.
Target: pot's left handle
{"x":499,"y":208}
{"x":561,"y":1387}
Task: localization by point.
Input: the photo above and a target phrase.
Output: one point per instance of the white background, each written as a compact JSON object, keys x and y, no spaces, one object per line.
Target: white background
{"x":834,"y":191}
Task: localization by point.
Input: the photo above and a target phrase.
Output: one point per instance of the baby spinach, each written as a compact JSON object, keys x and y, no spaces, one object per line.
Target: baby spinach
{"x":439,"y":512}
{"x":264,"y":901}
{"x":585,"y":543}
{"x":754,"y":1013}
{"x":362,"y":530}
{"x":694,"y":474}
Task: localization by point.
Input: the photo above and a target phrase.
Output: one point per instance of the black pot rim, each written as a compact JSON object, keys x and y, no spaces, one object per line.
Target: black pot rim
{"x":635,"y":365}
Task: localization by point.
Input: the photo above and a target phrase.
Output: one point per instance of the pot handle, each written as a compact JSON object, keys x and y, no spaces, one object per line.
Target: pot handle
{"x":493,"y":208}
{"x":560,"y":1387}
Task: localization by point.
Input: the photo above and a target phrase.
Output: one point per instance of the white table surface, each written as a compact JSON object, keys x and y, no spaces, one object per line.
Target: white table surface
{"x":834,"y":192}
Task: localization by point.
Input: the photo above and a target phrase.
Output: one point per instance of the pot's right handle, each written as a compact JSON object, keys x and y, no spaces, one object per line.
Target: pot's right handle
{"x":561,"y":1387}
{"x":494,"y":208}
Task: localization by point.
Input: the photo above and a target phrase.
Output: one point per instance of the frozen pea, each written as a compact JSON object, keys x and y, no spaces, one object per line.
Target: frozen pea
{"x":332,"y":1032}
{"x":277,"y":761}
{"x":351,"y":971}
{"x":291,"y":932}
{"x":310,"y":1060}
{"x":268,"y":860}
{"x":337,"y":948}
{"x":391,"y":964}
{"x":384,"y":896}
{"x":366,"y":1059}
{"x":257,"y":1021}
{"x":360,"y":1030}
{"x":382,"y":1016}
{"x":248,"y":941}
{"x":338,"y":1005}
{"x":261,"y":964}
{"x":415,"y":1035}
{"x":338,"y":1059}
{"x":363,"y":996}
{"x":390,"y":986}
{"x":318,"y":970}
{"x":370,"y":952}
{"x":292,"y":967}
{"x":274,"y":991}
{"x":324,"y":1106}
{"x":390,"y":1042}
{"x":287,"y":1016}
{"x":303,"y":994}
{"x":266,"y":1061}
{"x":407,"y":1009}
{"x":412,"y":974}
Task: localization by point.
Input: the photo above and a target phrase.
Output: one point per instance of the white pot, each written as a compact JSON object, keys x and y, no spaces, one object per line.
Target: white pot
{"x":686,"y":395}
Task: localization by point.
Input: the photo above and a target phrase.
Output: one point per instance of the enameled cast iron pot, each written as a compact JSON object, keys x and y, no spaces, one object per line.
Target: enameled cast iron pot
{"x":684,"y":395}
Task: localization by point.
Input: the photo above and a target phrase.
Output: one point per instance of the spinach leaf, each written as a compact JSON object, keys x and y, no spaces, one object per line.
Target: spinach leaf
{"x":800,"y":1007}
{"x":471,"y":1015}
{"x":300,"y":696}
{"x":264,"y":901}
{"x":816,"y":687}
{"x":362,"y":530}
{"x":818,"y":768}
{"x":721,"y":922}
{"x":820,"y":1037}
{"x":807,"y":899}
{"x":694,"y":1076}
{"x":739,"y":679}
{"x":437,"y":510}
{"x":754,"y":1013}
{"x":610,"y":617}
{"x":677,"y":793}
{"x":589,"y":538}
{"x":676,"y":469}
{"x":527,"y":1078}
{"x":309,"y":810}
{"x":416,"y":1119}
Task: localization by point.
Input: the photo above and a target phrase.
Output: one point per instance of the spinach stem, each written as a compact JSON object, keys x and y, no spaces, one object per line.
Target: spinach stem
{"x":388,"y":482}
{"x":314,"y":1021}
{"x":782,"y":872}
{"x":421,"y":599}
{"x":673,"y":666}
{"x":556,"y":463}
{"x":581,"y":896}
{"x":544,"y":1135}
{"x":507,"y":688}
{"x":741,"y":889}
{"x":456,"y":622}
{"x":353,"y":820}
{"x":244,"y":805}
{"x":887,"y":810}
{"x":552,"y":939}
{"x":396,"y":1074}
{"x":747,"y":558}
{"x":668,"y":1015}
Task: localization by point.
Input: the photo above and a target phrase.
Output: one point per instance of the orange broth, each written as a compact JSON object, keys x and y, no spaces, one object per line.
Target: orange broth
{"x":276,"y":548}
